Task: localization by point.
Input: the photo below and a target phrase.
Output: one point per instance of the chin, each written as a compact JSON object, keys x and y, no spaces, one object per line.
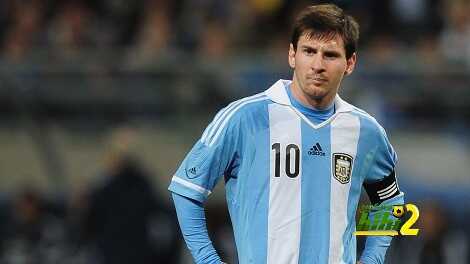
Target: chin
{"x":317,"y":93}
{"x":318,"y":98}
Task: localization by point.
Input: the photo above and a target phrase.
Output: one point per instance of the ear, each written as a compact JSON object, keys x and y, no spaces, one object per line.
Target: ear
{"x":350,"y":64}
{"x":291,"y":56}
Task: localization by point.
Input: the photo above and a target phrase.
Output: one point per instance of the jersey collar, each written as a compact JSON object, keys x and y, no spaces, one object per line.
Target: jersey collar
{"x":278,"y":94}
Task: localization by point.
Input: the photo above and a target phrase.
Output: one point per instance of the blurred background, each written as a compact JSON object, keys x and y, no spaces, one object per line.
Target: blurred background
{"x":101,"y":100}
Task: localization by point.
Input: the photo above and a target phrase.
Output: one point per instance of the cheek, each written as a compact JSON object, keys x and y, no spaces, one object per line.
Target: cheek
{"x":339,"y":70}
{"x":301,"y":64}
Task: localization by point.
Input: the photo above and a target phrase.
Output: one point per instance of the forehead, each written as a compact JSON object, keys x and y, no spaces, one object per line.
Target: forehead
{"x":333,"y":41}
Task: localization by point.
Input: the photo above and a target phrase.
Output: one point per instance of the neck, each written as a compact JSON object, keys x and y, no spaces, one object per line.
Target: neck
{"x":321,"y":103}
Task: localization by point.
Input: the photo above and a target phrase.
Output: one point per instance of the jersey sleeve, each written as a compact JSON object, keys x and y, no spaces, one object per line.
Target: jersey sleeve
{"x":209,"y":159}
{"x":380,"y":182}
{"x":382,"y":188}
{"x":192,"y":221}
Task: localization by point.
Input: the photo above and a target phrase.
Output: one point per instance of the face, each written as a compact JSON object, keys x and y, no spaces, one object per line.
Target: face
{"x":319,"y":66}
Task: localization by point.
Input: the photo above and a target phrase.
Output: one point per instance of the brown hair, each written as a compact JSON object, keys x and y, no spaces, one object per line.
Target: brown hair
{"x":324,"y":22}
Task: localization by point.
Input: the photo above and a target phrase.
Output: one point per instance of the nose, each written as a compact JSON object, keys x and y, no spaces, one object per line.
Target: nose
{"x":318,"y":65}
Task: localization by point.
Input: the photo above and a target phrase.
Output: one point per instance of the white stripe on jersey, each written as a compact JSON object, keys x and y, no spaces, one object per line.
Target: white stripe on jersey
{"x":232,"y":112}
{"x":344,"y":139}
{"x":209,"y":132}
{"x":284,"y":216}
{"x":387,"y":189}
{"x":211,"y":125}
{"x":385,"y":196}
{"x":191,"y":185}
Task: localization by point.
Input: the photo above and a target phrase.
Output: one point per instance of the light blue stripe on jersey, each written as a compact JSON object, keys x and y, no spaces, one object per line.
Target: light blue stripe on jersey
{"x":314,"y":241}
{"x":223,"y":116}
{"x":248,"y":195}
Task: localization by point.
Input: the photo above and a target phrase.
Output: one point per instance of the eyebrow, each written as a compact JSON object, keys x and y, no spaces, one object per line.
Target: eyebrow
{"x":326,"y":49}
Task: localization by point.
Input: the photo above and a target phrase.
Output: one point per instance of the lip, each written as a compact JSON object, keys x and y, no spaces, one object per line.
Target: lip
{"x":318,"y":81}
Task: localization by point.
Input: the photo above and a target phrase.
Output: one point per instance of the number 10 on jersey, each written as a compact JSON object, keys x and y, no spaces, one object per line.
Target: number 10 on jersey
{"x":290,"y":156}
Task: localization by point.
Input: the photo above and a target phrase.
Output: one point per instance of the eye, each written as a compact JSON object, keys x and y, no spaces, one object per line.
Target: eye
{"x":308,"y":51}
{"x":331,"y":55}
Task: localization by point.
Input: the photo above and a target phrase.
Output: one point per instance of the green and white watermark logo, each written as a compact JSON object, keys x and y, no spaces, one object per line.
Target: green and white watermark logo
{"x":387,"y":220}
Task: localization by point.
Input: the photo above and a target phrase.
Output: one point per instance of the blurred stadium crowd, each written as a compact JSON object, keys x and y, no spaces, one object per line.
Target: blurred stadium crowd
{"x":100,"y":100}
{"x":431,"y":32}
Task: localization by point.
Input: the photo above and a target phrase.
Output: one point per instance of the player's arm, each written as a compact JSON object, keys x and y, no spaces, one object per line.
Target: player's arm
{"x":382,"y":188}
{"x":384,"y":193}
{"x":192,"y":223}
{"x":213,"y":156}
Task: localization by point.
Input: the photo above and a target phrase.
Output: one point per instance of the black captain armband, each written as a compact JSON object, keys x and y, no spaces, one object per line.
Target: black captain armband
{"x":382,"y":190}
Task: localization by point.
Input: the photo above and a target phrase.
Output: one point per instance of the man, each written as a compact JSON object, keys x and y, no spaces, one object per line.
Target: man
{"x":123,"y":217}
{"x":293,"y":159}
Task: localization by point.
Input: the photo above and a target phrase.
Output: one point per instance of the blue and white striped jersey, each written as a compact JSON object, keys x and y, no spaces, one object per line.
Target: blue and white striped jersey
{"x":292,"y":187}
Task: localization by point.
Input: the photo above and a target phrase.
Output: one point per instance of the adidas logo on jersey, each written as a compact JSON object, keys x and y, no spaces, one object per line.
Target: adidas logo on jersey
{"x":191,"y":173}
{"x":192,"y":170}
{"x":316,"y":150}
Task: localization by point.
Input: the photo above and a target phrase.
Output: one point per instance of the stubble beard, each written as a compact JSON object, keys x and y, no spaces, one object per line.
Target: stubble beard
{"x":315,"y":93}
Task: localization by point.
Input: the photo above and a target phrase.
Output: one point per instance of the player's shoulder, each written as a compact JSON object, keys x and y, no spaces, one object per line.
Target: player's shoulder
{"x":247,"y":105}
{"x":368,"y":122}
{"x":234,"y":116}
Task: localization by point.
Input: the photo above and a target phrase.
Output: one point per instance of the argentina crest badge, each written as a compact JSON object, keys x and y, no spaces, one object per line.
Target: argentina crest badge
{"x":342,"y":167}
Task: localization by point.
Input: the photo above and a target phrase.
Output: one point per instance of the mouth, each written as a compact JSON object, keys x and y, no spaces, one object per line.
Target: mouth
{"x":318,"y":80}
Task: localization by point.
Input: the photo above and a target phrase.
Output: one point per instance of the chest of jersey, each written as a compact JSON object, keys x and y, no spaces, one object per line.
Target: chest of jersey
{"x":299,"y":148}
{"x":302,"y":182}
{"x":291,"y":152}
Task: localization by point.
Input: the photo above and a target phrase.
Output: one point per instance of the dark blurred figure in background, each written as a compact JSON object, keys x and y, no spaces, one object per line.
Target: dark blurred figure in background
{"x":72,"y":30}
{"x":33,"y":234}
{"x":124,"y":218}
{"x":440,"y":239}
{"x":455,"y":36}
{"x":433,"y":233}
{"x":22,"y":30}
{"x":26,"y":228}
